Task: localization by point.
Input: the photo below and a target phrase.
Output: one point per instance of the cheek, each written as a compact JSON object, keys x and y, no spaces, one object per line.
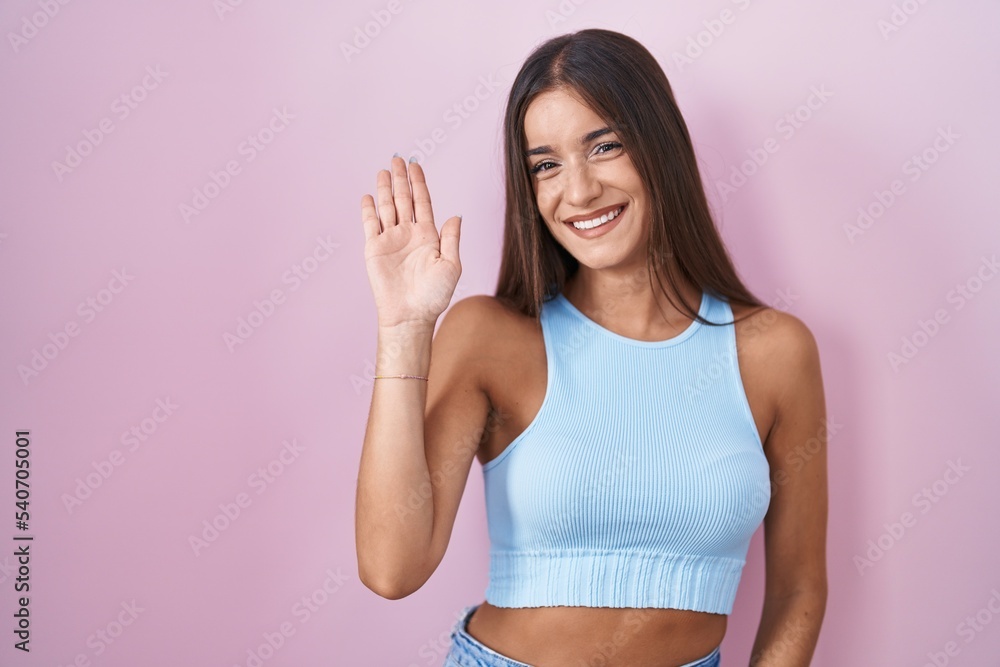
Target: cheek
{"x":545,"y":200}
{"x":628,"y":178}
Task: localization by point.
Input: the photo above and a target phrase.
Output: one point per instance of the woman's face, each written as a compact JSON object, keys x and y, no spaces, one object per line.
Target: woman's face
{"x":579,"y":173}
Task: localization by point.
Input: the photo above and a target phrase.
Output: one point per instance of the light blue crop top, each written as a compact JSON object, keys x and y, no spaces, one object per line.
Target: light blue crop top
{"x":640,"y":481}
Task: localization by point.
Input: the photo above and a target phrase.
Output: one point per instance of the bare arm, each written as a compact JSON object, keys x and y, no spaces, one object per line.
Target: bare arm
{"x":392,"y":463}
{"x":418,"y":451}
{"x":420,"y":437}
{"x":796,"y":521}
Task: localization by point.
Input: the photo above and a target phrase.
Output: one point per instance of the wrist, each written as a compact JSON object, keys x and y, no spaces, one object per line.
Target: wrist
{"x":408,"y":328}
{"x":399,"y":376}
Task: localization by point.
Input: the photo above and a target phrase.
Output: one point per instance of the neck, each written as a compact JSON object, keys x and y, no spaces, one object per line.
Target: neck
{"x":632,"y":303}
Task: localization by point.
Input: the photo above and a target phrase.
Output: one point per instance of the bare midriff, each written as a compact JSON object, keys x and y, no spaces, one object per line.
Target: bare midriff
{"x":586,"y":636}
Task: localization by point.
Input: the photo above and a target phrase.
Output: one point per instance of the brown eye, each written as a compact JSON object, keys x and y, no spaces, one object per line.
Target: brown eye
{"x":538,"y":167}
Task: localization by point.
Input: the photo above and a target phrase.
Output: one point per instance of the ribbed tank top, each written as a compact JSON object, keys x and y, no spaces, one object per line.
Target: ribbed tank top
{"x":641,"y":479}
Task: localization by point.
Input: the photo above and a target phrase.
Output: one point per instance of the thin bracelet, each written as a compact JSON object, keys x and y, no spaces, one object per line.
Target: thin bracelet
{"x":386,"y":377}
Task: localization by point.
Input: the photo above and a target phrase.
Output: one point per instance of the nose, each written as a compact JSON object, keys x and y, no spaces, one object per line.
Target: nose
{"x":581,"y":185}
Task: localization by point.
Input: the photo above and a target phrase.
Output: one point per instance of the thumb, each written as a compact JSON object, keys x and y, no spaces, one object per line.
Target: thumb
{"x":451,"y":232}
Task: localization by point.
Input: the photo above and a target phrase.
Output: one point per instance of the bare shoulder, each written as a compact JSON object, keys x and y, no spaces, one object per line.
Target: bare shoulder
{"x":457,"y":335}
{"x":768,"y":331}
{"x":482,"y":317}
{"x":778,"y":353}
{"x":485,"y":306}
{"x":482,"y":330}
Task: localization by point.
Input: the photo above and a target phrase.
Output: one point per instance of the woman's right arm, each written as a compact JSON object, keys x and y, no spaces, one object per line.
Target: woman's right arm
{"x":420,"y":443}
{"x":421,"y":437}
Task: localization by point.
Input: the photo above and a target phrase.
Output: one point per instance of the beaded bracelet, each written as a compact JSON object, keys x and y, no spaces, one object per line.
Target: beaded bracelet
{"x":386,"y":377}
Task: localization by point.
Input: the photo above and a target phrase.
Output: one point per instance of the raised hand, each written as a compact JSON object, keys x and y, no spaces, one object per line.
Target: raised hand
{"x":413,"y":272}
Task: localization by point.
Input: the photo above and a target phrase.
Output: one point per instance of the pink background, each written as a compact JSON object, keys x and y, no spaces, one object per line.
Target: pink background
{"x":303,"y":374}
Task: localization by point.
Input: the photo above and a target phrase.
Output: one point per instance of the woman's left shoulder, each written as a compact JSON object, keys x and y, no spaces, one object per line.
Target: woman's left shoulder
{"x":771,"y":327}
{"x":776,"y":344}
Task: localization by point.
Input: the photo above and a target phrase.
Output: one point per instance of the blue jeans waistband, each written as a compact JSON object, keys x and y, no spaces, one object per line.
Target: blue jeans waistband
{"x":466,"y":651}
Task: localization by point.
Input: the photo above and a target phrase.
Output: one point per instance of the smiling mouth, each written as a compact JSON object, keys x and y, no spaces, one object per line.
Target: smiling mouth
{"x":597,"y":222}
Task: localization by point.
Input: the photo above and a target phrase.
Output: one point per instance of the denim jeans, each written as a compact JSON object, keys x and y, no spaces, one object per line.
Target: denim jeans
{"x":467,"y":652}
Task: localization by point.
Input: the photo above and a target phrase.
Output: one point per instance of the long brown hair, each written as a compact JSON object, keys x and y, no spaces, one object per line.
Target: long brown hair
{"x":624,"y":84}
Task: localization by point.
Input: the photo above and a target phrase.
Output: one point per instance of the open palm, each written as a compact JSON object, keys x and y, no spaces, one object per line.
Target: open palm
{"x":413,"y":272}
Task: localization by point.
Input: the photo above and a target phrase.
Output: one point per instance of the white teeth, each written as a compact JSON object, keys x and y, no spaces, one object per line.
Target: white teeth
{"x":590,"y":224}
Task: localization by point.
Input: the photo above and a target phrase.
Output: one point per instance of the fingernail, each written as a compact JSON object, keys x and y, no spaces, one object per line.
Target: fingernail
{"x":413,"y":159}
{"x":396,"y":155}
{"x":460,"y":216}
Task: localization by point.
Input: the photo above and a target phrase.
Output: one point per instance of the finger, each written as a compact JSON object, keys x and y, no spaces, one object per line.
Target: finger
{"x":421,"y":195}
{"x":386,"y":210}
{"x":451,"y":232}
{"x":401,"y":191}
{"x":369,"y":217}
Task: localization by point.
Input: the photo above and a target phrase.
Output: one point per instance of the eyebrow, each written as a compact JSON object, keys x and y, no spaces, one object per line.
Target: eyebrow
{"x":586,"y":139}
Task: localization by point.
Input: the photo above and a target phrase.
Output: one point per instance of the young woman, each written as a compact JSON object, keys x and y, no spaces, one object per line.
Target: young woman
{"x":636,"y":410}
